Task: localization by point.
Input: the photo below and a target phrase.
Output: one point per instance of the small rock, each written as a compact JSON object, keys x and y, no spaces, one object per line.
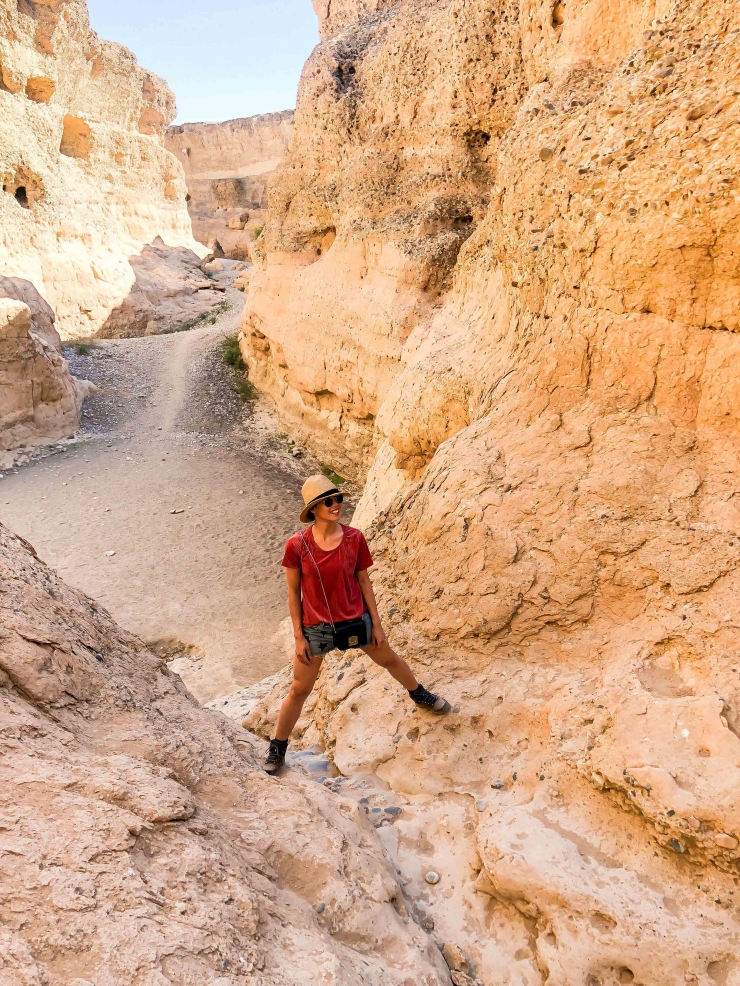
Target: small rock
{"x":393,"y":810}
{"x":432,"y":877}
{"x":321,"y":908}
{"x":110,"y":553}
{"x":498,"y":785}
{"x":697,"y":111}
{"x":726,"y":841}
{"x":178,"y":511}
{"x":481,"y":805}
{"x":546,"y":153}
{"x":427,"y":923}
{"x":456,"y":708}
{"x":397,"y":738}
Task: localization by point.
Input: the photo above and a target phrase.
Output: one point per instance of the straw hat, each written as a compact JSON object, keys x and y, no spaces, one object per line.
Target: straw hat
{"x":314,"y":489}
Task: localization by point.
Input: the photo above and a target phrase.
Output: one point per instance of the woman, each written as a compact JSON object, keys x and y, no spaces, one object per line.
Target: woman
{"x":329,"y":591}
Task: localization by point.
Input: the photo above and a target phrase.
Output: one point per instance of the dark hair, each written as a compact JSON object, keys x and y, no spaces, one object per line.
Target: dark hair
{"x":311,"y":515}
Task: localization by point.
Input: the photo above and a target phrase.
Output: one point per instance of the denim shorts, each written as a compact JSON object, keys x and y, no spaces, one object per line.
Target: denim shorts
{"x":320,"y":637}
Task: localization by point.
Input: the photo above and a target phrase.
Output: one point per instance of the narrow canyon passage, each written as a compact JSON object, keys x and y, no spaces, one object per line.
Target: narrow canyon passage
{"x":167,"y":432}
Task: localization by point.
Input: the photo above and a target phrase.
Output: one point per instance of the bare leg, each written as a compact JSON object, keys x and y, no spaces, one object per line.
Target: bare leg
{"x":387,"y":658}
{"x":304,"y":678}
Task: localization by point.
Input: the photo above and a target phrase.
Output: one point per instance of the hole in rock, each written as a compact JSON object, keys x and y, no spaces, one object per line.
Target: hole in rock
{"x":720,"y":971}
{"x":40,"y":89}
{"x":478,"y":138}
{"x":76,"y":138}
{"x":626,"y":975}
{"x":344,"y":73}
{"x":558,"y":14}
{"x":602,"y":922}
{"x":25,"y":187}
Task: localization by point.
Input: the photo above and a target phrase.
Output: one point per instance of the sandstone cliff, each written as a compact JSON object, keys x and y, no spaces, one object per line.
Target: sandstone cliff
{"x":86,"y":182}
{"x":40,"y":401}
{"x":227,"y":167}
{"x":500,"y":277}
{"x":141,"y":841}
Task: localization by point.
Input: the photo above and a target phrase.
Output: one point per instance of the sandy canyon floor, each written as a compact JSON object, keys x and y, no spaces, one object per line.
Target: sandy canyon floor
{"x":167,"y":432}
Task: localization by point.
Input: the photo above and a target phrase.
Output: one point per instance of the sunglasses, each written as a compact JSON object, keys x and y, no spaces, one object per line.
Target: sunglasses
{"x":331,"y":500}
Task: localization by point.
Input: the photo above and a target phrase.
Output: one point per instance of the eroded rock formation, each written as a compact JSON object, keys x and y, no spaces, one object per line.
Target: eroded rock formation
{"x":40,"y":401}
{"x":170,"y":291}
{"x":86,"y":181}
{"x":227,"y":167}
{"x":141,"y":841}
{"x":501,"y":275}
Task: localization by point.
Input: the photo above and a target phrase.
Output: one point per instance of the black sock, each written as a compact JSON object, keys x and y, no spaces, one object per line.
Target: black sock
{"x":417,"y":691}
{"x":281,"y":745}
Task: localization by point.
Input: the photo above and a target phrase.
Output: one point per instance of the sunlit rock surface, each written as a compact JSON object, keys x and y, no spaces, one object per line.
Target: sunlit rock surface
{"x":142,"y":843}
{"x":85,"y":181}
{"x":500,"y":279}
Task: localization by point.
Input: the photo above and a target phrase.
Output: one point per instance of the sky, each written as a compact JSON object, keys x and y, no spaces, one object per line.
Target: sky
{"x":222,"y":58}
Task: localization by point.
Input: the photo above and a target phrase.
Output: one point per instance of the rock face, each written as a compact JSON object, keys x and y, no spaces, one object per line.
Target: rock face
{"x":501,"y":275}
{"x":40,"y":401}
{"x":170,"y":291}
{"x":142,"y":842}
{"x":227,"y":167}
{"x":86,"y":182}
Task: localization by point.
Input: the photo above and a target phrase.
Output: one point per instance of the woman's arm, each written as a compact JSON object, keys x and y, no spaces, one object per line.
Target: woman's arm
{"x":302,"y":651}
{"x":366,"y":587}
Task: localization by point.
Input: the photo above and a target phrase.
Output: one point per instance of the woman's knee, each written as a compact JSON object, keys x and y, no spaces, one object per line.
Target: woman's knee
{"x":299,"y":691}
{"x":382,"y":656}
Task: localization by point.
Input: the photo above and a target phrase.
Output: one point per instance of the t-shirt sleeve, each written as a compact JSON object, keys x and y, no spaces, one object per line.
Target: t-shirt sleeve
{"x":364,"y":558}
{"x":292,"y":555}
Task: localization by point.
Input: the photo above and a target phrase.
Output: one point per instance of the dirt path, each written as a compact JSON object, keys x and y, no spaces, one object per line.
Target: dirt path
{"x":167,"y":432}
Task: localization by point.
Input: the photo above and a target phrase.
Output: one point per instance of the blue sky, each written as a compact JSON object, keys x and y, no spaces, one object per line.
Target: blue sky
{"x":222,"y":58}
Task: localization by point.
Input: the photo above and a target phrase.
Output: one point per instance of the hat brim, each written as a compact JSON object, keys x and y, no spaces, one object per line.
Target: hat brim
{"x":305,"y":519}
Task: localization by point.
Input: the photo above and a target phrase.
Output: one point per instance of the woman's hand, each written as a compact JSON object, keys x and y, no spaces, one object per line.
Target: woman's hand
{"x":379,"y":638}
{"x":303,"y":651}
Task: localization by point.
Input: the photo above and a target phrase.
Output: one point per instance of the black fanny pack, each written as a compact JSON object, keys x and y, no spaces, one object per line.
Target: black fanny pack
{"x":350,"y":633}
{"x":346,"y":633}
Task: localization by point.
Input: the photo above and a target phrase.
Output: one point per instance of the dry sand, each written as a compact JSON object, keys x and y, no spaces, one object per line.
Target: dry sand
{"x":167,"y":432}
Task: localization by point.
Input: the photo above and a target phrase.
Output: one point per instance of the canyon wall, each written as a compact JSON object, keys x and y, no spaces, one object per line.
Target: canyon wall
{"x":86,"y":181}
{"x":227,"y":167}
{"x":143,"y":844}
{"x":40,"y":401}
{"x":500,"y":280}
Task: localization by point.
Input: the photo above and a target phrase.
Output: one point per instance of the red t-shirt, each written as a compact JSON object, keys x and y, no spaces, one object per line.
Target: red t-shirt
{"x":338,"y":569}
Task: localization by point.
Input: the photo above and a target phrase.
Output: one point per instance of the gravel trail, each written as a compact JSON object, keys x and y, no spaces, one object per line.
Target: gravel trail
{"x":173,"y":506}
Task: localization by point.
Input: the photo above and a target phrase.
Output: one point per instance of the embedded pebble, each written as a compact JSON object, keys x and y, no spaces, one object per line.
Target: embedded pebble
{"x":432,"y":877}
{"x":481,"y":805}
{"x":397,"y":738}
{"x":726,"y":841}
{"x":393,"y":810}
{"x":498,"y":785}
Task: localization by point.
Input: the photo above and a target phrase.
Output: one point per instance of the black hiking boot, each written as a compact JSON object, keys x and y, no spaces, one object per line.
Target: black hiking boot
{"x":432,"y":703}
{"x":275,"y":759}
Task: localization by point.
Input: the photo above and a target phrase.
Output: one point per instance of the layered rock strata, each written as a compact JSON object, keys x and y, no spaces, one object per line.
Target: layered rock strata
{"x":86,"y":181}
{"x":501,"y":279}
{"x":40,"y":401}
{"x":142,"y":842}
{"x":227,"y":167}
